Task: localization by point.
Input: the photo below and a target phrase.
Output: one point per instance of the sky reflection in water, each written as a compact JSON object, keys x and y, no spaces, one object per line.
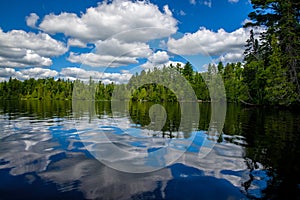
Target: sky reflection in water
{"x":46,"y":158}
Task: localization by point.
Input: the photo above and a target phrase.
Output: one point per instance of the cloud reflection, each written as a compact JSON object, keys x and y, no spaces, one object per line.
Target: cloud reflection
{"x":51,"y":150}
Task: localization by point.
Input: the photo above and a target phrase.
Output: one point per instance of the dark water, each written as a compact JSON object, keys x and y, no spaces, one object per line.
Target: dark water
{"x":51,"y":150}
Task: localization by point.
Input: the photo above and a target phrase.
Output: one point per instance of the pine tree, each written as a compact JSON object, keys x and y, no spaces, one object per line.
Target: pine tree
{"x":281,"y":20}
{"x":278,"y":90}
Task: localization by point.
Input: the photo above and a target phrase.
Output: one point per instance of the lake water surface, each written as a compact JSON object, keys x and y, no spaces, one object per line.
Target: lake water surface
{"x":59,"y":150}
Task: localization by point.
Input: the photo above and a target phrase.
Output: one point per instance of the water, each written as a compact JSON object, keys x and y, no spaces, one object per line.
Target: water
{"x":60,"y":150}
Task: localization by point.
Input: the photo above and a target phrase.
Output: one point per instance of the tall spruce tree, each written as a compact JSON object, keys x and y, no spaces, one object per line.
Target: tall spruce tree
{"x":278,"y":49}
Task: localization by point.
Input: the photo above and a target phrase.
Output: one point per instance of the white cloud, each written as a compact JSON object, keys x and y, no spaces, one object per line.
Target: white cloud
{"x":33,"y":59}
{"x":76,"y":43}
{"x":112,"y":53}
{"x":231,"y":57}
{"x":21,"y":49}
{"x":207,"y":42}
{"x":167,"y":10}
{"x":32,"y":19}
{"x":7,"y":72}
{"x":115,"y":47}
{"x":73,"y":73}
{"x":108,"y":19}
{"x":149,"y":65}
{"x":233,"y":1}
{"x":35,"y":73}
{"x":23,"y":74}
{"x":125,"y":71}
{"x":159,"y":59}
{"x":174,"y":63}
{"x":119,"y":30}
{"x":96,"y":60}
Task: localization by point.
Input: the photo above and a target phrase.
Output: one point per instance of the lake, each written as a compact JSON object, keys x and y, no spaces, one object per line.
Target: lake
{"x":104,"y":150}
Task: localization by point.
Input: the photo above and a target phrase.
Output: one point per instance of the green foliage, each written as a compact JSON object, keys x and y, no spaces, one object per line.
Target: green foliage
{"x":272,"y":69}
{"x":250,"y":83}
{"x":269,"y":75}
{"x":49,"y":89}
{"x":199,"y":82}
{"x":156,"y":85}
{"x":278,"y":89}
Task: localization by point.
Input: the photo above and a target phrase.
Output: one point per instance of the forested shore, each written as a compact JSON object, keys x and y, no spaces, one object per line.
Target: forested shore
{"x":268,"y":75}
{"x":234,"y":76}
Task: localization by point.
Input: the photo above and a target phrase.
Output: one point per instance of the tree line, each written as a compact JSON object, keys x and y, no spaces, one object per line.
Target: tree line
{"x":269,"y":74}
{"x":141,"y":87}
{"x":49,"y":89}
{"x":231,"y":75}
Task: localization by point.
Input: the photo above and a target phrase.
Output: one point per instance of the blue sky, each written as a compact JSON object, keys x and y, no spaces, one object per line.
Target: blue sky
{"x":111,"y":40}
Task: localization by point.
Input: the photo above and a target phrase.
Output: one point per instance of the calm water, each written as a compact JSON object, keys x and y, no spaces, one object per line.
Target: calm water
{"x":51,"y":150}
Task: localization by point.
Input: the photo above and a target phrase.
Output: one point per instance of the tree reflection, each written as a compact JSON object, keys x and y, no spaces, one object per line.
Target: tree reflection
{"x":271,"y":136}
{"x":273,"y":140}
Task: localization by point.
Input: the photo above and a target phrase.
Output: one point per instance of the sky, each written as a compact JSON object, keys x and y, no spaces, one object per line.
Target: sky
{"x":113,"y":39}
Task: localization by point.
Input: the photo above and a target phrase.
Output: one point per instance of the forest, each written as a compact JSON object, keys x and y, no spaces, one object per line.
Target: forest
{"x":268,"y":75}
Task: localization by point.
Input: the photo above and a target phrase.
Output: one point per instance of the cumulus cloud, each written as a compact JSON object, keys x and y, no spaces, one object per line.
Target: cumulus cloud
{"x":35,"y":73}
{"x":76,"y":43}
{"x":115,"y":47}
{"x":7,"y":72}
{"x":233,"y":1}
{"x":159,"y":59}
{"x":21,"y":49}
{"x":96,"y":60}
{"x":124,"y":71}
{"x":32,"y":19}
{"x":118,"y":29}
{"x":73,"y":73}
{"x":231,"y":57}
{"x":112,"y":53}
{"x":23,"y":74}
{"x":150,"y":66}
{"x":108,"y":19}
{"x":33,"y":59}
{"x":207,"y":42}
{"x":167,"y":10}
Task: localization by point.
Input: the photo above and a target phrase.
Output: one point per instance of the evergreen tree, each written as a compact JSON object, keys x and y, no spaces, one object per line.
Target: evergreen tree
{"x":278,"y":90}
{"x":281,"y":20}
